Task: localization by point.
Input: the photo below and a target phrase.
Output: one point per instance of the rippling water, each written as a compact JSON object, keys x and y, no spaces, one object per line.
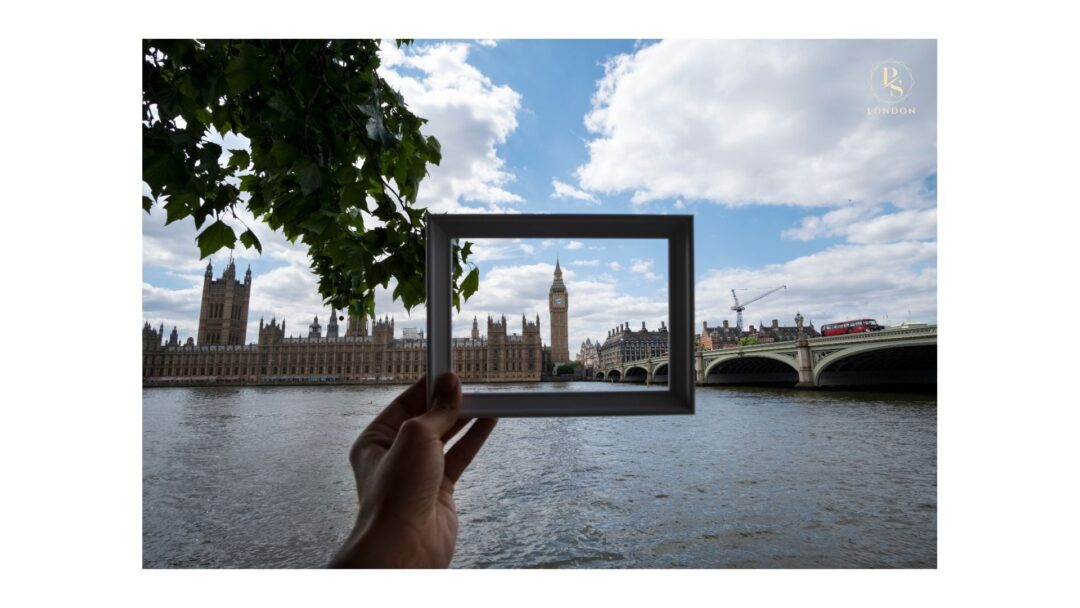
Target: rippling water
{"x":758,"y":478}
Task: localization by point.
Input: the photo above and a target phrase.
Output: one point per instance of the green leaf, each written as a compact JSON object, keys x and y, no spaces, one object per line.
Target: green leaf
{"x":216,"y":236}
{"x":471,"y":283}
{"x":249,"y":240}
{"x":210,"y":153}
{"x":352,"y":196}
{"x":239,"y":159}
{"x":310,"y":178}
{"x":180,"y":206}
{"x":284,"y":153}
{"x":281,"y":104}
{"x":240,"y":74}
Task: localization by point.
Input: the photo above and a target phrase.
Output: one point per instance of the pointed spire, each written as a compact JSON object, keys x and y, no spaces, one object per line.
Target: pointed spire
{"x":558,"y":268}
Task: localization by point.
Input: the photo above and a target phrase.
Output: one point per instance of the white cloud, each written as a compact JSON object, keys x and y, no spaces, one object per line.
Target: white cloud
{"x":868,"y":225}
{"x":842,"y":282}
{"x":468,"y":114}
{"x":565,"y":190}
{"x":780,"y":122}
{"x":911,"y":224}
{"x":588,"y":263}
{"x":614,"y":266}
{"x":488,"y":42}
{"x":572,"y":245}
{"x":643,"y":267}
{"x":833,"y":223}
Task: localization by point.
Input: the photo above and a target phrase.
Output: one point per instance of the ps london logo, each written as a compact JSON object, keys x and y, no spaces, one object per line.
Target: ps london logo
{"x":891,"y":83}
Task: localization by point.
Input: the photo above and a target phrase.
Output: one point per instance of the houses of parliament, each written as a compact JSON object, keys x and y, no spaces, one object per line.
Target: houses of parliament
{"x":362,"y":354}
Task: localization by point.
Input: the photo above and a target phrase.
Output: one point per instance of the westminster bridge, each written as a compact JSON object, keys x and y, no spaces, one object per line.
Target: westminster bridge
{"x":895,"y":356}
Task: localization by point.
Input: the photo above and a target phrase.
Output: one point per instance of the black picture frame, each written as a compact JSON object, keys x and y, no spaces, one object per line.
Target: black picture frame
{"x":678,"y":230}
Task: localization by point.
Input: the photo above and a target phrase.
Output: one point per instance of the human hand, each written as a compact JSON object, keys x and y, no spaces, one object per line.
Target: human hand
{"x":406,"y":483}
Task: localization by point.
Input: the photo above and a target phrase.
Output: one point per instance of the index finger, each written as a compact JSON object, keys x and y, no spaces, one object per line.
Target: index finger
{"x":408,"y":404}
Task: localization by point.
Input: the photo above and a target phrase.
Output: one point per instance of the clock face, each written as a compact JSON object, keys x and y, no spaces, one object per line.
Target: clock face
{"x":559,"y":301}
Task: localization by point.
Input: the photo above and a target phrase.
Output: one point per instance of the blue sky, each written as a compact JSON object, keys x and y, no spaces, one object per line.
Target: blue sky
{"x":773,"y":146}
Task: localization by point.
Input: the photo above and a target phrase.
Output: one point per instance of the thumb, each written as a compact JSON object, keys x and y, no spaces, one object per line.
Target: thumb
{"x":446,"y":407}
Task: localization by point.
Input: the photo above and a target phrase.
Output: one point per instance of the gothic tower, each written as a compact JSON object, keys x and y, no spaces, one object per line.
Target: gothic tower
{"x":332,"y":326}
{"x":223,"y":314}
{"x":357,"y":326}
{"x":558,"y":304}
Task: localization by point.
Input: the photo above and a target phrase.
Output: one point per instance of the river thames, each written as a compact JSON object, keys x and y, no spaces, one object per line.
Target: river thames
{"x":254,"y":477}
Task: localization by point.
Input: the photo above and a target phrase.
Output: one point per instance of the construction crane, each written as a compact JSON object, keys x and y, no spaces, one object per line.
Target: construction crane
{"x":738,"y":308}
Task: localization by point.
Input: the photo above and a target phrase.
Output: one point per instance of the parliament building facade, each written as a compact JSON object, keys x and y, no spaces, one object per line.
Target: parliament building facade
{"x":362,"y":354}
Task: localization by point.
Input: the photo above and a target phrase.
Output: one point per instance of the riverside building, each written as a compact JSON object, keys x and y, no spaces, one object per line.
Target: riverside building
{"x":362,"y":355}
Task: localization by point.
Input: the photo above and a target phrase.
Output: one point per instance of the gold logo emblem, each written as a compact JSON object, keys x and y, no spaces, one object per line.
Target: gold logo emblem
{"x":891,"y":81}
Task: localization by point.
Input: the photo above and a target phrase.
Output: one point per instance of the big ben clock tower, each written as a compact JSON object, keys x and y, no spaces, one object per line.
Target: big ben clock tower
{"x":558,"y":303}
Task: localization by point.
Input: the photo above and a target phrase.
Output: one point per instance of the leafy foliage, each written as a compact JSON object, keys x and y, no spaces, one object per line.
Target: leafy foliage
{"x":568,"y":368}
{"x":748,"y":341}
{"x":336,"y":158}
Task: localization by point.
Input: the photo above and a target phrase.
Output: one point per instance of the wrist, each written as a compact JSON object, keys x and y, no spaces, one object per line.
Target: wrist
{"x":373,"y":547}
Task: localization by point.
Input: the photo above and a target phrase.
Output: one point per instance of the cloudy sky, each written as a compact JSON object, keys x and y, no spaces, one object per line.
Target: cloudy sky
{"x":772,"y":146}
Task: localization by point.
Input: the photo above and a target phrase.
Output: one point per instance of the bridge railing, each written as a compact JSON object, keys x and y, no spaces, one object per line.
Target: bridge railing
{"x":861,"y":336}
{"x":877,"y":335}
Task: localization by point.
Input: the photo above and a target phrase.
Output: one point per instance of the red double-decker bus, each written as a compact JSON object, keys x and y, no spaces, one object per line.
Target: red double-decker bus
{"x":850,"y":327}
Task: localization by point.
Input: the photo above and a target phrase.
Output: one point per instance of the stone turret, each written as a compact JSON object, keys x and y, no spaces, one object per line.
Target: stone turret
{"x":382,"y":330}
{"x":332,"y":326}
{"x":151,"y":337}
{"x":271,"y":333}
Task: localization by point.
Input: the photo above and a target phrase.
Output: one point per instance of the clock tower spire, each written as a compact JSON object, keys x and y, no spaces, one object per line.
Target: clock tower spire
{"x":558,"y":305}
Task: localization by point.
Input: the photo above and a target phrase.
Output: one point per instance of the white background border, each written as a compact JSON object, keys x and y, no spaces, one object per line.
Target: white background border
{"x":1008,"y":221}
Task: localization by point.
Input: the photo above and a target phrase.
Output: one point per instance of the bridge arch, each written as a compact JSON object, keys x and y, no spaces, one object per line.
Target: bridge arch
{"x":636,"y":373}
{"x":614,"y":375}
{"x":755,"y":368}
{"x":600,"y":374}
{"x":909,"y":363}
